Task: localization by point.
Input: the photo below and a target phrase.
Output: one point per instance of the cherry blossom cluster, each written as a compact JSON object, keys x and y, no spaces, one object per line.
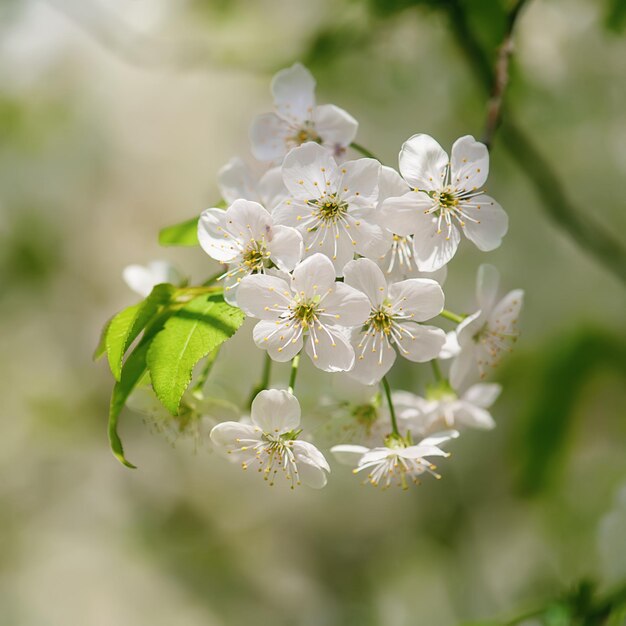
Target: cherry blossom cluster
{"x":343,"y":259}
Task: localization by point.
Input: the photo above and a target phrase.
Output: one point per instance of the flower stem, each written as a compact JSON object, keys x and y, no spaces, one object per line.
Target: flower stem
{"x":294,"y":372}
{"x":265,"y":379}
{"x":364,"y":151}
{"x":437,"y":370}
{"x":453,"y":317}
{"x":392,"y":411}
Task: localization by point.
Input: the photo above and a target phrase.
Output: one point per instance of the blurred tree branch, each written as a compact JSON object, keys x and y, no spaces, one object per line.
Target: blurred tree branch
{"x":589,"y":234}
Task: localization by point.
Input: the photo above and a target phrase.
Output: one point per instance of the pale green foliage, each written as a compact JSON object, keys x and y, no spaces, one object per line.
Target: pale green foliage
{"x":190,"y":334}
{"x":182,"y":234}
{"x":125,"y":327}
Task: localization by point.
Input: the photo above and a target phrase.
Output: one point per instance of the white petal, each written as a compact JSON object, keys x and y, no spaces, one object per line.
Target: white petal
{"x":433,"y":249}
{"x":424,"y":345}
{"x":236,"y":180}
{"x":307,"y":451}
{"x":249,"y":220}
{"x":463,"y":366}
{"x":294,"y":92}
{"x":348,"y":454}
{"x":336,"y":127}
{"x":406,"y":214}
{"x":436,"y":439}
{"x":259,"y":295}
{"x":139,"y":278}
{"x":275,"y":411}
{"x":314,"y":276}
{"x":271,"y":188}
{"x":451,"y":347}
{"x":423,"y":163}
{"x":366,"y":276}
{"x":466,"y":330}
{"x":309,"y":171}
{"x":469,"y":161}
{"x":359,"y":184}
{"x":391,"y":184}
{"x":164,"y":272}
{"x":492,"y":223}
{"x":282,"y":343}
{"x":312,"y":466}
{"x":337,"y":246}
{"x":286,"y":247}
{"x":370,"y":239}
{"x":231,"y":284}
{"x":482,"y":395}
{"x":487,"y":284}
{"x":474,"y":416}
{"x":371,"y":364}
{"x":420,"y":451}
{"x":269,"y":137}
{"x":215,"y":237}
{"x":345,"y":306}
{"x":420,"y":297}
{"x":329,"y":350}
{"x":226,"y":434}
{"x":506,"y":313}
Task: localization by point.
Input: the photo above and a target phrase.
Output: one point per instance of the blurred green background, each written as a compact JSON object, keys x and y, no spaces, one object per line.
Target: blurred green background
{"x":115,"y":116}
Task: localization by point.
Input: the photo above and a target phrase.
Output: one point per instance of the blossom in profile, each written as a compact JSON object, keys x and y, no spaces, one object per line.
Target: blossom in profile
{"x":394,"y":321}
{"x":270,"y":444}
{"x":306,"y":306}
{"x":397,"y":462}
{"x":333,"y":206}
{"x":143,"y":278}
{"x":447,"y":198}
{"x":246,"y":238}
{"x":484,"y":336}
{"x":297,"y":119}
{"x":443,"y":408}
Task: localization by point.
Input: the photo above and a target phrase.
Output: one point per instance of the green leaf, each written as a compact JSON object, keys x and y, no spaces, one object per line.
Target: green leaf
{"x":183,"y":234}
{"x":101,"y":348}
{"x":615,"y":19}
{"x":133,"y":371}
{"x":125,"y":327}
{"x":190,"y":334}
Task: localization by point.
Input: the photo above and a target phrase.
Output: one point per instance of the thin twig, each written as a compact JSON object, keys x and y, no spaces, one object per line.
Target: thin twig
{"x":501,"y":76}
{"x":588,"y":233}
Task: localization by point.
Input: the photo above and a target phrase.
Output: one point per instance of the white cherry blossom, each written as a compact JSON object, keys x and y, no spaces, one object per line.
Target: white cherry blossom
{"x":238,"y":180}
{"x":396,"y":462}
{"x":297,"y":119}
{"x":398,"y":262}
{"x":310,"y":306}
{"x":333,"y":206}
{"x":246,"y":238}
{"x":143,"y":278}
{"x":270,"y":442}
{"x":393,"y":321}
{"x":446,"y":196}
{"x":443,"y":408}
{"x":489,"y":332}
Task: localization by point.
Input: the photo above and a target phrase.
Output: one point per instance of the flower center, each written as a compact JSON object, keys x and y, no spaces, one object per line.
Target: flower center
{"x":381,"y":320}
{"x":447,"y":199}
{"x":255,"y":255}
{"x":304,"y":134}
{"x":329,"y":208}
{"x":305,"y":312}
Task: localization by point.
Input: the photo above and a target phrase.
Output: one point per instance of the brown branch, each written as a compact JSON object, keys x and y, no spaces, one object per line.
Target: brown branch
{"x":501,"y":76}
{"x":589,"y":234}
